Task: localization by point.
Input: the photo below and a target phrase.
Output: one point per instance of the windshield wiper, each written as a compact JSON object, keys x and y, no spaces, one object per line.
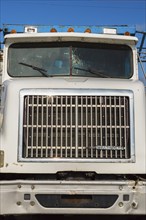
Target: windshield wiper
{"x":98,"y":73}
{"x":42,"y":71}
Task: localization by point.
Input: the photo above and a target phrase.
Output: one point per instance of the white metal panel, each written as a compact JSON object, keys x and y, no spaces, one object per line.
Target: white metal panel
{"x":10,"y":129}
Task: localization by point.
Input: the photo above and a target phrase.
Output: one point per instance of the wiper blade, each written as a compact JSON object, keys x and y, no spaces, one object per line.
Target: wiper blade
{"x":98,"y":73}
{"x":42,"y":71}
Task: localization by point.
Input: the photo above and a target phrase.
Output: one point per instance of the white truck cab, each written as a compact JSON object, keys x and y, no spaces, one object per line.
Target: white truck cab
{"x":73,"y":122}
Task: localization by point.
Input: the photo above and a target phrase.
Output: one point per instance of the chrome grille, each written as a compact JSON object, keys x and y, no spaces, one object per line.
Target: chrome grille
{"x":76,"y":126}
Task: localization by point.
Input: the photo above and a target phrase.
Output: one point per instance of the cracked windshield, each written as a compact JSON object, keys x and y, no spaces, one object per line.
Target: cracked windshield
{"x":69,"y":59}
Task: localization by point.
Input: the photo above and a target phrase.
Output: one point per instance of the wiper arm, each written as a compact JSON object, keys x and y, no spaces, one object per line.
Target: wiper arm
{"x":92,"y":72}
{"x":42,"y":71}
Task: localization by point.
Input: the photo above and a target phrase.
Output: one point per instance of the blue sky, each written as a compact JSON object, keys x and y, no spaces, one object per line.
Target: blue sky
{"x":74,"y":12}
{"x":79,"y":12}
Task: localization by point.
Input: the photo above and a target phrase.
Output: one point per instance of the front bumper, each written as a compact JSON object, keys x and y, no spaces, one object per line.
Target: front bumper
{"x":72,"y":197}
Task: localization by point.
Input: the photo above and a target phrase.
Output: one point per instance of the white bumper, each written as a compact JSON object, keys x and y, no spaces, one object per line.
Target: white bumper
{"x":73,"y":197}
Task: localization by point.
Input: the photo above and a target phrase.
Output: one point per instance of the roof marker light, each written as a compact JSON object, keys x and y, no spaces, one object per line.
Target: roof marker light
{"x":13,"y":31}
{"x":53,"y":30}
{"x":70,"y":29}
{"x":127,"y":33}
{"x":30,"y":29}
{"x":88,"y":30}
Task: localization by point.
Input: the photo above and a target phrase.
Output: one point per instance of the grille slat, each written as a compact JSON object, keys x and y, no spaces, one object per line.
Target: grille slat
{"x":84,"y":127}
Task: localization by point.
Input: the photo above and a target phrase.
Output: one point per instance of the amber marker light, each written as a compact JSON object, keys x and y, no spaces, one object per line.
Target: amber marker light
{"x":88,"y":30}
{"x":70,"y":29}
{"x":127,"y":33}
{"x":13,"y":31}
{"x":53,"y":30}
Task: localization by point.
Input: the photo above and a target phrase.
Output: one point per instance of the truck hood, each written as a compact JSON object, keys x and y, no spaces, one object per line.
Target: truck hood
{"x":72,"y":83}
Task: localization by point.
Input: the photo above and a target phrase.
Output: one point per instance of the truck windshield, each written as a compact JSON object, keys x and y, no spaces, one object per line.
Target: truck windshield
{"x":70,"y":59}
